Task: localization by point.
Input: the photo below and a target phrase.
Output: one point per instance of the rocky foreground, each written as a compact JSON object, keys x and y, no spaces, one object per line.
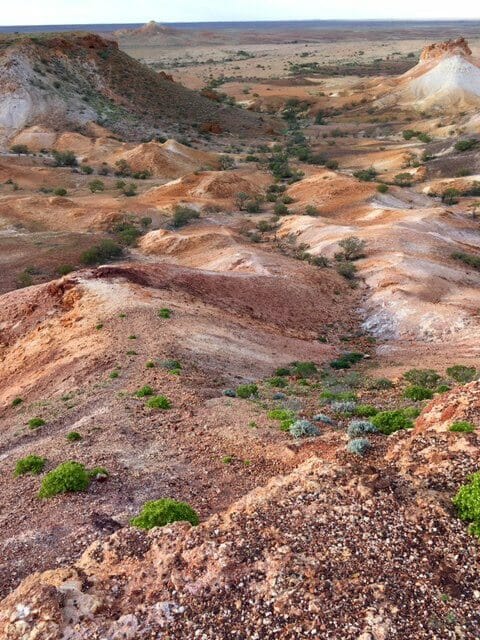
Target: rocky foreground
{"x":365,"y":550}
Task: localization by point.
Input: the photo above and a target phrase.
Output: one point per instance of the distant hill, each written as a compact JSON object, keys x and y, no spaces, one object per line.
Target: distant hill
{"x":67,"y":80}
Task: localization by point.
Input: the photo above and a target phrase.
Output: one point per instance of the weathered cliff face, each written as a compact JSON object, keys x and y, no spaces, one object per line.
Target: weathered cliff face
{"x":439,"y":50}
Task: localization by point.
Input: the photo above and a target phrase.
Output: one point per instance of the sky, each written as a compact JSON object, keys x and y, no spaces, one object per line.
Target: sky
{"x":34,"y":12}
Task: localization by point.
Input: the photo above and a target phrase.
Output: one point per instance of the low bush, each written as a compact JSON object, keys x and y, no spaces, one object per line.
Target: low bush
{"x":247,"y":391}
{"x":60,"y":191}
{"x":143,"y":392}
{"x":304,"y":369}
{"x":345,"y":407}
{"x":366,"y":175}
{"x":379,"y":384}
{"x":277,"y":381}
{"x":466,"y":145}
{"x":74,"y":436}
{"x":422,"y":377}
{"x":64,"y":269}
{"x":106,"y":251}
{"x":303,"y":429}
{"x":382,"y":188}
{"x":64,"y":158}
{"x":159,"y":402}
{"x":327,"y":396}
{"x":418,"y":393}
{"x":158,"y":513}
{"x":35,"y":423}
{"x":346,"y":360}
{"x":387,"y":422}
{"x":346,"y":269}
{"x":359,"y":446}
{"x":461,"y":373}
{"x":366,"y":411}
{"x":352,"y":249}
{"x":467,"y":502}
{"x":67,"y":477}
{"x":467,"y":258}
{"x":282,"y":371}
{"x":19,"y":149}
{"x":358,"y":428}
{"x":462,"y":426}
{"x":96,"y":186}
{"x":16,"y":402}
{"x":164,"y":313}
{"x":322,"y":417}
{"x":30,"y":464}
{"x":183,"y":215}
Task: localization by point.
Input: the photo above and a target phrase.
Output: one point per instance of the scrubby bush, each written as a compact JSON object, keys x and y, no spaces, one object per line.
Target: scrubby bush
{"x":465,"y":145}
{"x":60,"y":191}
{"x":64,"y":158}
{"x":366,"y":411}
{"x":451,"y":196}
{"x":418,"y":393}
{"x":379,"y":384}
{"x":387,"y":422}
{"x":328,"y":396}
{"x":19,"y":149}
{"x":467,"y":501}
{"x":359,"y":446}
{"x":86,"y":169}
{"x":282,"y":371}
{"x":144,"y":391}
{"x":346,"y":269}
{"x":382,"y":188}
{"x":159,"y":402}
{"x":96,"y":186}
{"x":247,"y":391}
{"x":462,"y":426}
{"x":73,"y":436}
{"x":30,"y":464}
{"x":467,"y":258}
{"x":64,"y":269}
{"x":346,"y":360}
{"x":158,"y":513}
{"x":403,"y":179}
{"x":164,"y":313}
{"x":411,"y":412}
{"x":366,"y":175}
{"x":16,"y":402}
{"x":106,"y":251}
{"x":183,"y":215}
{"x":422,"y":377}
{"x":358,"y":428}
{"x":67,"y":477}
{"x":277,"y":381}
{"x":461,"y":373}
{"x":304,"y":369}
{"x":303,"y":429}
{"x":352,"y":249}
{"x":322,"y":417}
{"x":345,"y":407}
{"x":34,"y":423}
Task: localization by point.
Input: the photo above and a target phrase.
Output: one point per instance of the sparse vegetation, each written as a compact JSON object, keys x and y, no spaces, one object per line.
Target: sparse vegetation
{"x":417,"y":393}
{"x":105,"y":251}
{"x":462,"y":373}
{"x":183,"y":215}
{"x":68,"y":477}
{"x":247,"y":391}
{"x":303,"y":429}
{"x":159,"y":402}
{"x":462,"y":426}
{"x":35,"y":423}
{"x":158,"y":513}
{"x":31,"y":464}
{"x":467,"y":502}
{"x":387,"y":422}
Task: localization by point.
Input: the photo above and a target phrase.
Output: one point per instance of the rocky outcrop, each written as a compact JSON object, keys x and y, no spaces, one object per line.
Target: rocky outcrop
{"x":439,"y":50}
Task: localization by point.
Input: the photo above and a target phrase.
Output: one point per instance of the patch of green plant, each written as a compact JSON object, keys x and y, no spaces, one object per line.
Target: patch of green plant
{"x":422,"y":378}
{"x":411,"y":412}
{"x":35,"y":423}
{"x":183,"y":215}
{"x":282,"y":371}
{"x":247,"y":391}
{"x":159,"y":402}
{"x":461,"y":373}
{"x":144,"y":392}
{"x":304,"y":369}
{"x":16,"y":402}
{"x":64,"y":158}
{"x":114,"y":374}
{"x":366,"y":410}
{"x":30,"y":464}
{"x":65,"y":269}
{"x":359,"y":446}
{"x":67,"y":477}
{"x":158,"y":513}
{"x":417,"y":393}
{"x":467,"y":258}
{"x":467,"y":502}
{"x":106,"y":251}
{"x":366,"y":175}
{"x":150,"y":364}
{"x":379,"y":384}
{"x":382,"y":188}
{"x":387,"y":422}
{"x":466,"y":145}
{"x":277,"y":381}
{"x":462,"y":426}
{"x":73,"y":436}
{"x":164,"y":313}
{"x":60,"y":191}
{"x":346,"y":360}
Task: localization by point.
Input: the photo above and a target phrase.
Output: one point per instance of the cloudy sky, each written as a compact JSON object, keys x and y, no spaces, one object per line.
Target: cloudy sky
{"x":118,"y":11}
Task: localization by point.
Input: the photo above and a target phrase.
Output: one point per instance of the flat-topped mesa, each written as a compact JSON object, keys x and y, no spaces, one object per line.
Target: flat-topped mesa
{"x":439,"y":50}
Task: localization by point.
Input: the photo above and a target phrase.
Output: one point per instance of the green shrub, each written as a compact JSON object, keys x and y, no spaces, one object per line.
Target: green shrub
{"x":328,"y":396}
{"x":461,"y":373}
{"x":150,"y":364}
{"x":465,"y":145}
{"x":379,"y":384}
{"x":422,"y":377}
{"x":159,"y":402}
{"x":462,"y":426}
{"x":165,"y":313}
{"x":280,"y":414}
{"x":64,"y":158}
{"x":411,"y":412}
{"x":382,"y":188}
{"x":277,"y":381}
{"x":304,"y":369}
{"x":144,"y":391}
{"x":366,"y":175}
{"x":442,"y":388}
{"x":60,"y":191}
{"x":358,"y":428}
{"x":352,"y":249}
{"x":105,"y":251}
{"x":16,"y":402}
{"x":20,"y":149}
{"x":346,"y":269}
{"x":387,"y":422}
{"x":96,"y":186}
{"x":467,"y":501}
{"x":346,"y":360}
{"x":86,"y":169}
{"x":67,"y":477}
{"x":64,"y":269}
{"x":158,"y":513}
{"x":247,"y":391}
{"x":34,"y":423}
{"x":467,"y":258}
{"x":282,"y":371}
{"x":366,"y":411}
{"x":183,"y":215}
{"x":114,"y":374}
{"x":73,"y":436}
{"x":418,"y":393}
{"x":30,"y":464}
